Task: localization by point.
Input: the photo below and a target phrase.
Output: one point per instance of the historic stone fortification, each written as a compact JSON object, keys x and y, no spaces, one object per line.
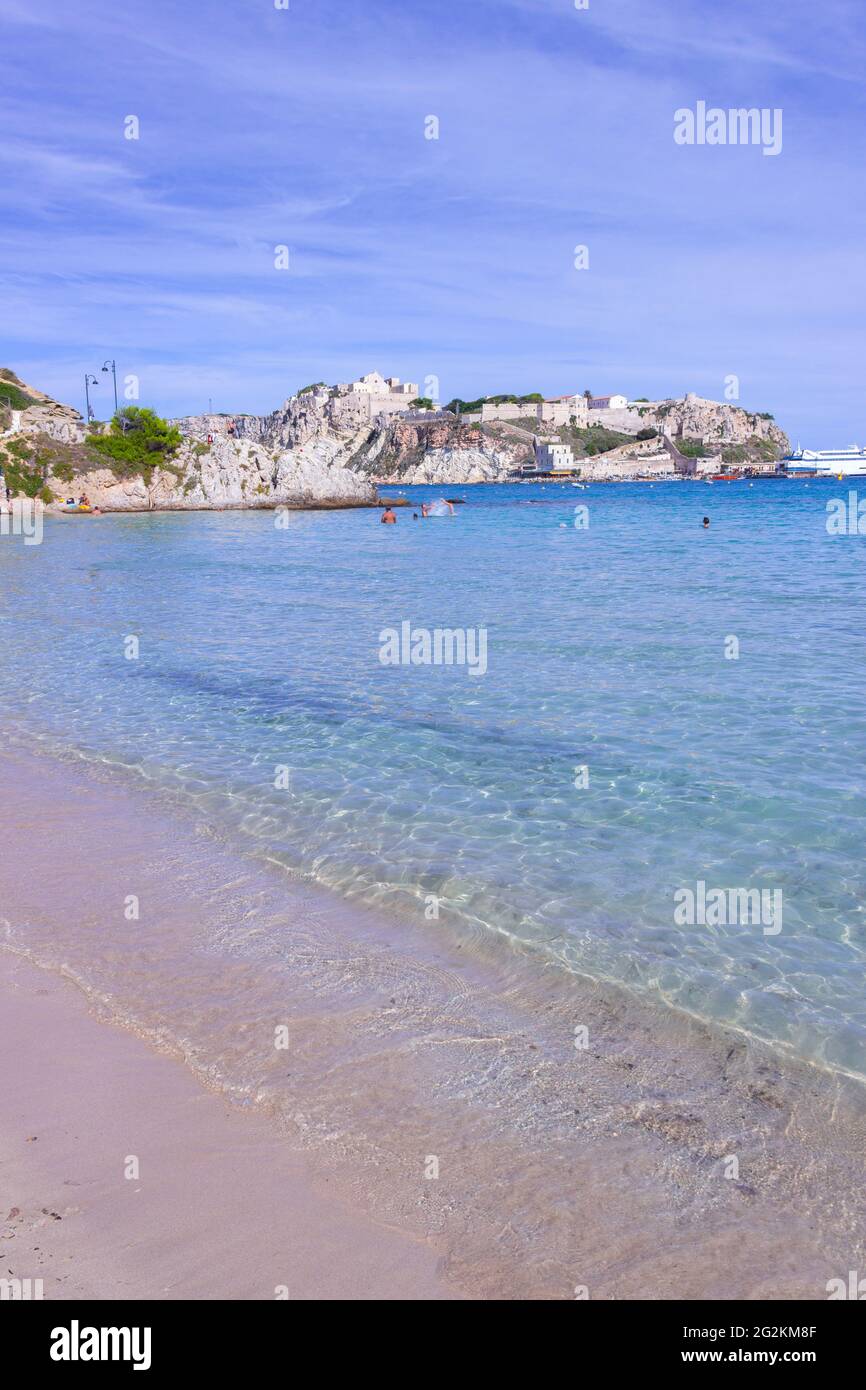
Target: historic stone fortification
{"x":693,"y":417}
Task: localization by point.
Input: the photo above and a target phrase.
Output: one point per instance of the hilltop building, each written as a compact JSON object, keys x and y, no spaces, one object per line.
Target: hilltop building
{"x":374,"y":394}
{"x":374,"y":384}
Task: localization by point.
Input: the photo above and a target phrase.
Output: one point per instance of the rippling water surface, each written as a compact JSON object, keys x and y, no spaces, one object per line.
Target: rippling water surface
{"x":259,"y":650}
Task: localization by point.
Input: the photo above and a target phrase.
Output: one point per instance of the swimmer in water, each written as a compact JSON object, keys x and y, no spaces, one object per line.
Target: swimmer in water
{"x":388,"y":517}
{"x":438,"y":508}
{"x":705,"y":523}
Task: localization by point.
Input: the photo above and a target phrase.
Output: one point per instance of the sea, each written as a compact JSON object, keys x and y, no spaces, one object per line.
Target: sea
{"x":574,"y":725}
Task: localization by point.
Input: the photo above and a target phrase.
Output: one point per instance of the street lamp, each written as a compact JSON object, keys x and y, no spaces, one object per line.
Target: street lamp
{"x":89,"y":381}
{"x":113,"y":365}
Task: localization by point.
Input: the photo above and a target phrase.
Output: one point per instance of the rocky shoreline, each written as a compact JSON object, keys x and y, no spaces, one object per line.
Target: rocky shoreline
{"x":317,"y":451}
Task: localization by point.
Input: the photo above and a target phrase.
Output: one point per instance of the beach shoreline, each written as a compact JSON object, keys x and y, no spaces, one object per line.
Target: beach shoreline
{"x":220,"y":1209}
{"x":556,"y":1169}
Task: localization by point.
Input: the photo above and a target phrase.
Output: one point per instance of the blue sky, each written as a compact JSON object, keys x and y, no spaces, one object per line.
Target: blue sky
{"x":453,"y":257}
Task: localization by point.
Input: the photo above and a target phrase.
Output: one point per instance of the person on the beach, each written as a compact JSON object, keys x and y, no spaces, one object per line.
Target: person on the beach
{"x":388,"y":517}
{"x":706,"y":522}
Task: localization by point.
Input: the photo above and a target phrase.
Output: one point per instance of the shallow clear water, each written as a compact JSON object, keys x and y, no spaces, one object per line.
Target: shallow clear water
{"x":259,"y":649}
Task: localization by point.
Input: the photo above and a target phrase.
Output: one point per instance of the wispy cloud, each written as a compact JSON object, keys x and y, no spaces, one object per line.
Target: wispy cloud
{"x":454,"y":256}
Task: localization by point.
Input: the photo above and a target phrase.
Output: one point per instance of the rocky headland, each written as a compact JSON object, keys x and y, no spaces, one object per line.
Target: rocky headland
{"x":319,"y":449}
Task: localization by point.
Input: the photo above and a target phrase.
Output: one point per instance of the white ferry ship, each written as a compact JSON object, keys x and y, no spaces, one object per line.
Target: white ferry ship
{"x":827,"y":463}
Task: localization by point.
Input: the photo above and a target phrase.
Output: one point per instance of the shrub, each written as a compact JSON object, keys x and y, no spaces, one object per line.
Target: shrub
{"x":137,"y":442}
{"x":691,"y":448}
{"x":11,"y":393}
{"x":471,"y":407}
{"x":22,"y":479}
{"x":647,"y":434}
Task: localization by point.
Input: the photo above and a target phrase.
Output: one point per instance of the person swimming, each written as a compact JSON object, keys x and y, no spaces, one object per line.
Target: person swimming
{"x":705,"y":523}
{"x":388,"y":516}
{"x":439,"y":508}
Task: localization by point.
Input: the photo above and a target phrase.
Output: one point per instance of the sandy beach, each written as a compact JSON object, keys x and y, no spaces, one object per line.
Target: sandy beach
{"x":561,"y":1174}
{"x":222,"y":1208}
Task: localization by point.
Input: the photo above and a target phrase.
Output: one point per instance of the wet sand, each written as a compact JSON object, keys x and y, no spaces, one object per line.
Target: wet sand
{"x":222,"y":1208}
{"x":664,"y":1159}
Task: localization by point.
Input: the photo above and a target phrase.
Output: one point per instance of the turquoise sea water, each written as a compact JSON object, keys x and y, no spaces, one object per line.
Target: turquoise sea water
{"x":259,"y":650}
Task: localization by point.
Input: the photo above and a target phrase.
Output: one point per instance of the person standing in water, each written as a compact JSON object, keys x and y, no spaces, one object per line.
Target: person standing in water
{"x":706,"y":522}
{"x":388,"y":517}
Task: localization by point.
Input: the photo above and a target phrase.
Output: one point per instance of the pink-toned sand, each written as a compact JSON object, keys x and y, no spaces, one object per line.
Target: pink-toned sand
{"x":605,"y":1169}
{"x":221,"y":1209}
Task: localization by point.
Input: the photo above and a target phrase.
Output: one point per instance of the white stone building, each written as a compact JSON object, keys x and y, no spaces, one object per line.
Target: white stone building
{"x":563,"y":410}
{"x":555,"y":458}
{"x":374,"y":394}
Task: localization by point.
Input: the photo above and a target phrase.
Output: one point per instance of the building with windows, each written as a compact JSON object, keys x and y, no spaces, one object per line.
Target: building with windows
{"x":554,"y":458}
{"x":374,"y":394}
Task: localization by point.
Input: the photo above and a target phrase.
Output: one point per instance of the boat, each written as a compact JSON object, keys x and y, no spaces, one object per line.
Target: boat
{"x":826,"y":463}
{"x":727,"y":477}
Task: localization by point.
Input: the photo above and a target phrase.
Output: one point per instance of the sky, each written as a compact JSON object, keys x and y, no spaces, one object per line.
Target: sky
{"x":448,"y":261}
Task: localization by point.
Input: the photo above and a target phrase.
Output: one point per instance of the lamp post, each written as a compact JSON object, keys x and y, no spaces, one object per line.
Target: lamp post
{"x":113,"y":365}
{"x":89,"y":381}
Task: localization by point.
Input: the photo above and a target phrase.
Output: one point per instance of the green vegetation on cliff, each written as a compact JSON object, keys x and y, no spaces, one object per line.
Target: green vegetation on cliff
{"x":137,"y":443}
{"x":757,"y":449}
{"x":596,"y":439}
{"x":471,"y":407}
{"x":692,"y":448}
{"x":23,"y":468}
{"x":13,"y":396}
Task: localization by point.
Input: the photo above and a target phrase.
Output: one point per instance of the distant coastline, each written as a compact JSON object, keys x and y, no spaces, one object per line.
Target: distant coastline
{"x":333,"y":446}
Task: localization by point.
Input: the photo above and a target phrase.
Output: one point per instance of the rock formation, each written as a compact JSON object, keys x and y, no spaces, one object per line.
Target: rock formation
{"x":236,"y":469}
{"x":320,"y":449}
